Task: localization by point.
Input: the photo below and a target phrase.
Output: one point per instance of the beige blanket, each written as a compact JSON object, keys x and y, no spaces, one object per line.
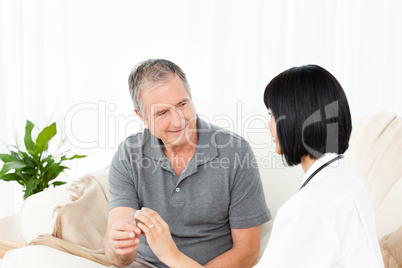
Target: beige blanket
{"x":391,"y":249}
{"x":63,"y":245}
{"x":81,"y":224}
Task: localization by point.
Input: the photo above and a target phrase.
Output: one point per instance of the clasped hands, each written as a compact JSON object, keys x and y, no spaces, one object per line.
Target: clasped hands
{"x":125,"y":237}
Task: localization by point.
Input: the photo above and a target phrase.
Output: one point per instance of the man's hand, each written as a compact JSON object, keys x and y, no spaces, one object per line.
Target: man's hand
{"x":122,"y":236}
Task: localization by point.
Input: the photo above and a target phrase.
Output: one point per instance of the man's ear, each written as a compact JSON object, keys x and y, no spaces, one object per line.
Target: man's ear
{"x":142,"y":119}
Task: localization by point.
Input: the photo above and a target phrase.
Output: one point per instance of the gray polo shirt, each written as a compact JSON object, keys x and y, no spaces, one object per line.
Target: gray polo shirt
{"x":219,"y":189}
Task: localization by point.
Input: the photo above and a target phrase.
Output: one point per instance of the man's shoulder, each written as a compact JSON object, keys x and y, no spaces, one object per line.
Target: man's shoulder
{"x":135,"y":137}
{"x":232,"y":140}
{"x":225,"y":132}
{"x":133,"y":142}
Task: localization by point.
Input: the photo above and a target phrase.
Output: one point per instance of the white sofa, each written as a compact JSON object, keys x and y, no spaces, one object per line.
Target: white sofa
{"x":373,"y":154}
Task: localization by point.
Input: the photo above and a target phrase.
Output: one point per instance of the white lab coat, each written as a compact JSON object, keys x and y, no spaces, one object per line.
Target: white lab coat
{"x":328,"y":223}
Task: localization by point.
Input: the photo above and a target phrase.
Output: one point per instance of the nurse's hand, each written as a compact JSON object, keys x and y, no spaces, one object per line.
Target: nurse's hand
{"x":160,"y":240}
{"x":157,"y":232}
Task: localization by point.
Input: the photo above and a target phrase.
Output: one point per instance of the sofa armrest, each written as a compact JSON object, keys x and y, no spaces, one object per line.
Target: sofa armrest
{"x":45,"y":257}
{"x":37,"y":212}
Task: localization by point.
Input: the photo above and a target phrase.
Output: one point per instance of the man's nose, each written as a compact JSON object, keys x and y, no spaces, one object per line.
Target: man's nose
{"x":177,"y":119}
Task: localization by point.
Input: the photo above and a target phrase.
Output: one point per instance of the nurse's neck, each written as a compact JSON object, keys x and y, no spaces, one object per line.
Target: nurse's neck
{"x":306,"y":162}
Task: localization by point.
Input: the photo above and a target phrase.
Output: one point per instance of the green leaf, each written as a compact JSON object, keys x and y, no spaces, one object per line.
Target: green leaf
{"x":29,"y":162}
{"x":49,"y":163}
{"x":35,"y":156}
{"x":29,"y":144}
{"x":31,"y":186}
{"x":42,"y":142}
{"x":16,"y":155}
{"x":29,"y":170}
{"x":11,"y":165}
{"x":57,"y":183}
{"x":52,"y":171}
{"x":13,"y":177}
{"x":8,"y":158}
{"x":60,"y":169}
{"x":26,"y":177}
{"x":73,"y":157}
{"x":48,"y":159}
{"x":32,"y":155}
{"x":10,"y":177}
{"x":23,"y":154}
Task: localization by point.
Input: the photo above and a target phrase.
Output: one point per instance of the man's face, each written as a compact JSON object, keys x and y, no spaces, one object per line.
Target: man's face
{"x":170,"y":113}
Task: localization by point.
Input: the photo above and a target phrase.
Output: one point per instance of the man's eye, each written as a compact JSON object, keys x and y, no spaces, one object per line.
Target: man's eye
{"x":182,"y":104}
{"x":161,"y":113}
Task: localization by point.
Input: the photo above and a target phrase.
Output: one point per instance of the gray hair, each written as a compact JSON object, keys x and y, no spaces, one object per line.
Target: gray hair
{"x":150,"y":74}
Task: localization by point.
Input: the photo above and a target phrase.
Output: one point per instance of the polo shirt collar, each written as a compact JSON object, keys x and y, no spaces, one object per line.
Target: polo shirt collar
{"x":206,"y":146}
{"x":153,"y":147}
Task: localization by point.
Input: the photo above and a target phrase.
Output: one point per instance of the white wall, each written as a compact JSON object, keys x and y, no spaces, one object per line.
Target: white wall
{"x":71,"y":59}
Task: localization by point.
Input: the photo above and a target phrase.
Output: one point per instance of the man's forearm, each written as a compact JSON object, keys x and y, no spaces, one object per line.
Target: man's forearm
{"x":235,"y":257}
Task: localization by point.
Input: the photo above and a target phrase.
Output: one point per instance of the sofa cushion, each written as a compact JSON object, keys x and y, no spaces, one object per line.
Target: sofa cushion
{"x":374,"y":155}
{"x":44,"y":257}
{"x":36,"y":215}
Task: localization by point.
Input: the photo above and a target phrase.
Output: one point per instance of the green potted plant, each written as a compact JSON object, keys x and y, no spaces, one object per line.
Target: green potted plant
{"x":33,"y":167}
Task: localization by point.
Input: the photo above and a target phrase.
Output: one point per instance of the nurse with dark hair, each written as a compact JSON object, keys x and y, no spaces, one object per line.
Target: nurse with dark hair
{"x":329,"y":222}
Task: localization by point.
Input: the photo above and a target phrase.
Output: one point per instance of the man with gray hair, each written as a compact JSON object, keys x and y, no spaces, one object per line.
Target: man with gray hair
{"x":192,"y":186}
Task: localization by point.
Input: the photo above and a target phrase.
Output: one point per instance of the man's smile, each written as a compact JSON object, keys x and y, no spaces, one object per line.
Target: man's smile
{"x":178,"y":131}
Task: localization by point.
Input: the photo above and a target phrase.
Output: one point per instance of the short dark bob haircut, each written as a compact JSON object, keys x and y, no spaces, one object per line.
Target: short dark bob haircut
{"x":311,"y":112}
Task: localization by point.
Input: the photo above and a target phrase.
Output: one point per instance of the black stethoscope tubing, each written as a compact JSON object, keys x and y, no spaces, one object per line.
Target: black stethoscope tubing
{"x":318,"y":170}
